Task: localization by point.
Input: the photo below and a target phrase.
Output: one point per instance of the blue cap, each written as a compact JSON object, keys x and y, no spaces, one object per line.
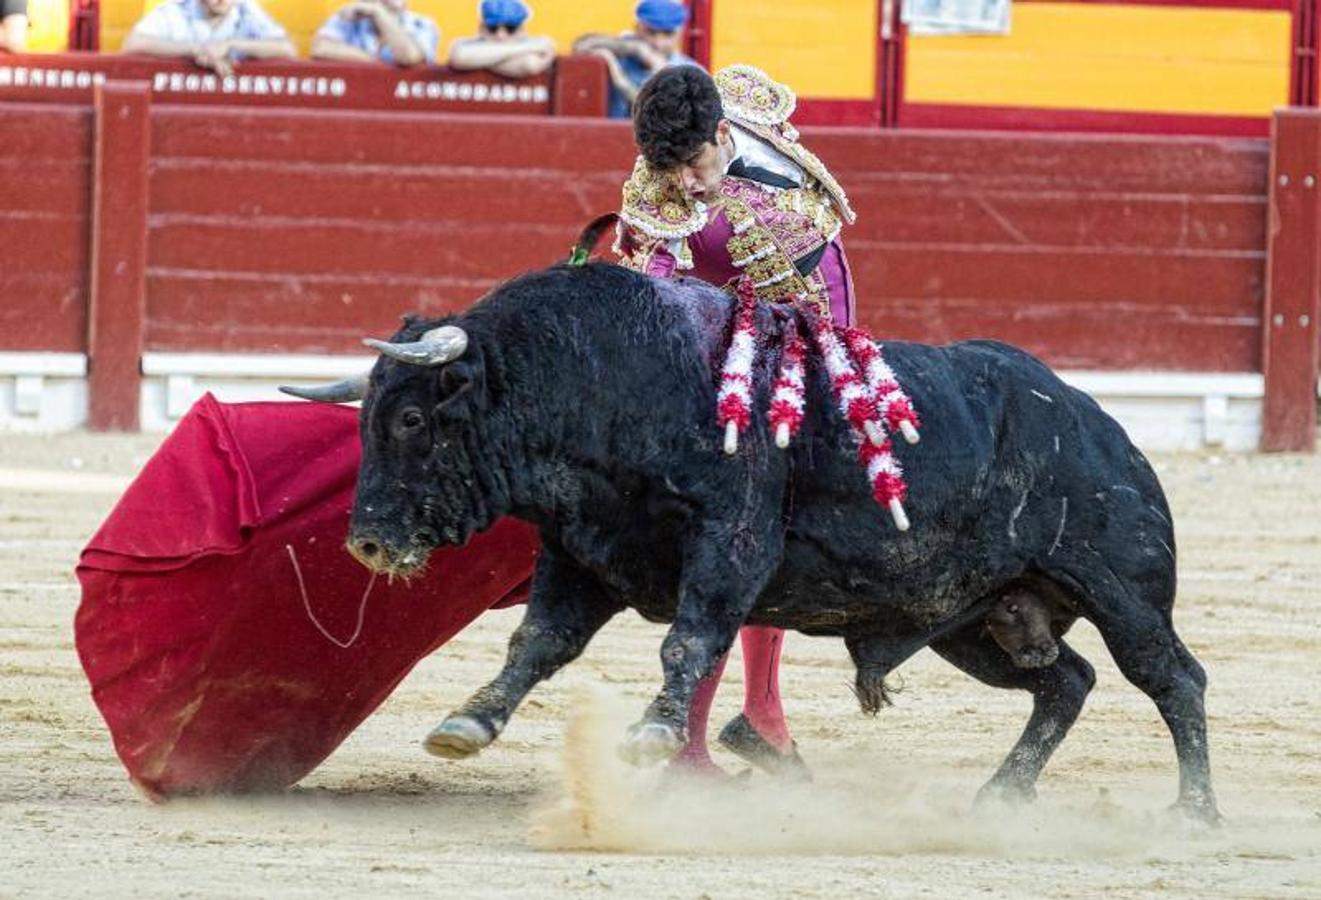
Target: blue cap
{"x":662,"y":15}
{"x":512,"y":13}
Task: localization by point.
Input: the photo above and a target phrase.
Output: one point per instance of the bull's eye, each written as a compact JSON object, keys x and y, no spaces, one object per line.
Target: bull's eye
{"x":1013,"y":609}
{"x":412,"y":419}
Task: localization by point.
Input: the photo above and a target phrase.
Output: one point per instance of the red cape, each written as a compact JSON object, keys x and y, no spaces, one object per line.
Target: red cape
{"x":194,"y":629}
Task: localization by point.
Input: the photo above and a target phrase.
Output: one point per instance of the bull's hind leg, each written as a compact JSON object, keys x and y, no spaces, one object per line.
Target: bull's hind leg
{"x":567,"y":607}
{"x":1140,"y":636}
{"x":1058,"y":693}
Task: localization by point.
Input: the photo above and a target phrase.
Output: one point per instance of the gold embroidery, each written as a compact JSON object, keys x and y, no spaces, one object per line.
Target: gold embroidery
{"x":661,"y":216}
{"x":684,"y":258}
{"x":655,"y":205}
{"x":814,"y":206}
{"x":753,"y":249}
{"x":750,"y":95}
{"x":809,"y":163}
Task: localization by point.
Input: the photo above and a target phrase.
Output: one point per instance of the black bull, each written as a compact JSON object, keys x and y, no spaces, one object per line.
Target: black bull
{"x":582,"y":400}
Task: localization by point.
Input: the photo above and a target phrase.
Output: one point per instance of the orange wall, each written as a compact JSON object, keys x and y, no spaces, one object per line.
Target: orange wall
{"x":48,"y":26}
{"x":1112,"y":57}
{"x":821,"y":48}
{"x":562,"y":20}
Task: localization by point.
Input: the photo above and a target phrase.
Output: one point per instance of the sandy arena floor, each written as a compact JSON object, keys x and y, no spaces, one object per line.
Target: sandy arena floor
{"x":889,"y":814}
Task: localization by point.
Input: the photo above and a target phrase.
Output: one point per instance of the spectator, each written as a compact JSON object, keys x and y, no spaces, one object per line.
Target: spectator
{"x":635,"y":56}
{"x":215,"y":34}
{"x":13,"y":25}
{"x":501,"y":45}
{"x":372,"y":30}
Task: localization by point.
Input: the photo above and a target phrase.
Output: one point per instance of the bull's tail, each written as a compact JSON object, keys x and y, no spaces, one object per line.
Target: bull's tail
{"x":582,"y":250}
{"x":872,"y":690}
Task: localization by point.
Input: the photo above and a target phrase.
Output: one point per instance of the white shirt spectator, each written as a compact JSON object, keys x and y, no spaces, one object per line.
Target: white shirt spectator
{"x":186,"y":21}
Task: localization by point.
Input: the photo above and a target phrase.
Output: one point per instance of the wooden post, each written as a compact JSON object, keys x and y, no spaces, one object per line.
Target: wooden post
{"x":117,"y":312}
{"x":890,"y":42}
{"x":698,"y":33}
{"x":1290,"y":346}
{"x":578,"y":86}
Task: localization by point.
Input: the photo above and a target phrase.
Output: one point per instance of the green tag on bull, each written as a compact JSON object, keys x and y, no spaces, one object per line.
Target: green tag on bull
{"x":578,"y":256}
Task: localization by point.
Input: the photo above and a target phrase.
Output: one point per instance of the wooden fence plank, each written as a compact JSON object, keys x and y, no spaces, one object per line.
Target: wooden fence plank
{"x":1290,"y":347}
{"x":119,"y":255}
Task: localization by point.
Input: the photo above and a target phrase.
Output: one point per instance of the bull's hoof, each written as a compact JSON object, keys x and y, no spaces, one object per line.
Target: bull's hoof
{"x":1005,"y":793}
{"x":1198,"y":814}
{"x":458,"y":737}
{"x":649,"y":743}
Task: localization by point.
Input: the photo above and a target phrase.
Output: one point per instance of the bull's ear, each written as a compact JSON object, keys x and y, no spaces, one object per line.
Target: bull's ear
{"x":455,"y":378}
{"x":456,"y":382}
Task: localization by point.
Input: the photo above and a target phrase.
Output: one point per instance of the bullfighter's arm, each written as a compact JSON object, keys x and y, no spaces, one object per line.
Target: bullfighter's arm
{"x":643,"y":253}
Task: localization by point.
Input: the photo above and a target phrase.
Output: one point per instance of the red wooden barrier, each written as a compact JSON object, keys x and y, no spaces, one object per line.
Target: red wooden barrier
{"x":255,"y":248}
{"x":45,"y":214}
{"x":1092,"y":251}
{"x":1053,"y":243}
{"x":279,"y":230}
{"x":576,"y":86}
{"x":119,"y":255}
{"x":1290,"y":346}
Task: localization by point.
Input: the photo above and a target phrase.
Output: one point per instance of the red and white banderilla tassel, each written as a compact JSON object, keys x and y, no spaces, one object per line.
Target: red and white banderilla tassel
{"x":887,"y":479}
{"x":788,"y":396}
{"x":855,"y":400}
{"x":892,"y":403}
{"x":734,"y":401}
{"x":858,"y":404}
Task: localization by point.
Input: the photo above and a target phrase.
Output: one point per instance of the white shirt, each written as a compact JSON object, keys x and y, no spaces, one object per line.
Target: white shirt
{"x":756,"y":152}
{"x":186,"y":21}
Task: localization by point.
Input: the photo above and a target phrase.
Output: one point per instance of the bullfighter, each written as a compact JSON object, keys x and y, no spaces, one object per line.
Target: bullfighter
{"x":722,"y":188}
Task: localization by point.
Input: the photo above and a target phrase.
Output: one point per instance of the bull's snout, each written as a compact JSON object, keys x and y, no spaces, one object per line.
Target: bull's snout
{"x":368,"y":550}
{"x":392,"y":557}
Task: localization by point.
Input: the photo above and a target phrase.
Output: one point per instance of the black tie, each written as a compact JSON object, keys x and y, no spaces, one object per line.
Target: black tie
{"x":740,"y":169}
{"x":805,"y":265}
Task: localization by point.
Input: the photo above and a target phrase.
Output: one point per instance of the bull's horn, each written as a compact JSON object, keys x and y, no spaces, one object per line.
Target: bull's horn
{"x":437,"y":347}
{"x":345,"y":391}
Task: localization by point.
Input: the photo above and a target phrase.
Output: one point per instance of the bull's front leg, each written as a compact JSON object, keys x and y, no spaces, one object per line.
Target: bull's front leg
{"x":725,"y":569}
{"x":567,"y":607}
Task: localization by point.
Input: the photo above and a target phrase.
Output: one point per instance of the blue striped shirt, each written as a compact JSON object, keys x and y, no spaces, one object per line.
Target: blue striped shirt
{"x":361,"y":32}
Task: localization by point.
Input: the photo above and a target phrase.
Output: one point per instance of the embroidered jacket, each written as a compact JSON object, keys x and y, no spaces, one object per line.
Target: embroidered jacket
{"x":777,"y":223}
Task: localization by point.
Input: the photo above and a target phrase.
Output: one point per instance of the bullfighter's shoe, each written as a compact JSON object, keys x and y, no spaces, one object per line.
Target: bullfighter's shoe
{"x":743,"y":740}
{"x":702,"y":772}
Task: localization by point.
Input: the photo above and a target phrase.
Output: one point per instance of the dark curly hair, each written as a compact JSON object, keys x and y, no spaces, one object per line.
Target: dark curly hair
{"x":675,"y":113}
